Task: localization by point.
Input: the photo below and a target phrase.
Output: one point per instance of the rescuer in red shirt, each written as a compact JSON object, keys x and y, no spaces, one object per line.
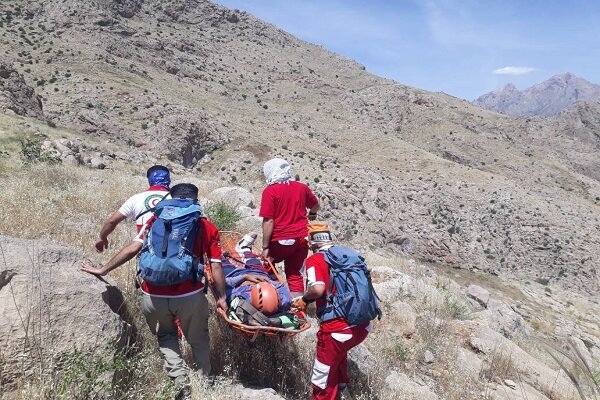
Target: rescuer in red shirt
{"x":283,"y":209}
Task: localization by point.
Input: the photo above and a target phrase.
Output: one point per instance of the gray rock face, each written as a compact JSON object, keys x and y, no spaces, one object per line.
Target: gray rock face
{"x":405,"y":316}
{"x":479,"y":294}
{"x":236,"y":196}
{"x":544,"y":99}
{"x":16,"y":95}
{"x":504,"y":319}
{"x":49,"y":308}
{"x":491,"y":343}
{"x":259,"y":394}
{"x":499,"y":315}
{"x":400,"y":386}
{"x":185,"y":137}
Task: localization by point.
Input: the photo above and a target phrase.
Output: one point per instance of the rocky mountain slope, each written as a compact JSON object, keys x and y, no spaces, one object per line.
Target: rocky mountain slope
{"x":398,"y":169}
{"x":544,"y":99}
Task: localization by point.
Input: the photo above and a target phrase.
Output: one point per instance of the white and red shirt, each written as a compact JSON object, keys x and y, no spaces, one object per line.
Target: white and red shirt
{"x":286,"y":204}
{"x":208,"y":245}
{"x":138,"y":203}
{"x":317,"y":273}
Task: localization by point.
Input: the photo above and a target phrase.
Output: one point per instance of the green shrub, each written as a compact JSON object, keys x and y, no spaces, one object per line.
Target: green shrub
{"x":32,"y":152}
{"x":401,"y":351}
{"x":224,"y":215}
{"x":455,"y":308}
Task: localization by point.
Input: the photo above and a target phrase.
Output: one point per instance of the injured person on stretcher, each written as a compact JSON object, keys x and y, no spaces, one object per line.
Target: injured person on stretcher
{"x":256,"y":297}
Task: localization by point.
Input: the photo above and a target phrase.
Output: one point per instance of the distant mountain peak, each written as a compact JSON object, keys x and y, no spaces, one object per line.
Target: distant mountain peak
{"x":508,"y":88}
{"x":543,"y":99}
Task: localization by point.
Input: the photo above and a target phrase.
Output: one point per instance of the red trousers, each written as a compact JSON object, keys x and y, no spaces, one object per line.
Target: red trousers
{"x":331,"y":362}
{"x":293,"y":257}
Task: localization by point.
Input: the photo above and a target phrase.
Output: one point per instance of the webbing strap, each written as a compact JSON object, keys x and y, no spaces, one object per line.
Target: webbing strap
{"x":165,"y":243}
{"x":254,"y":313}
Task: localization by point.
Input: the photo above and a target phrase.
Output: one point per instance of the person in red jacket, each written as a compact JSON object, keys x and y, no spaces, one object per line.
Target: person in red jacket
{"x":335,"y":337}
{"x":283,"y":209}
{"x":185,"y":302}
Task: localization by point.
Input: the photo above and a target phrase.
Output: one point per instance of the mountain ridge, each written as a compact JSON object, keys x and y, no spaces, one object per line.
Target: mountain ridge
{"x":544,"y":99}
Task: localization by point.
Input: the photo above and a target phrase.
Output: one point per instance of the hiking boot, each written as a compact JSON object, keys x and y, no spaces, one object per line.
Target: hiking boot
{"x":183,"y":389}
{"x":246,"y":243}
{"x":185,"y":393}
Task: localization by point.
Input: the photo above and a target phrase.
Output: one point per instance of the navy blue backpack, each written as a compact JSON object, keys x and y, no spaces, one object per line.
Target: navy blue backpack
{"x":167,"y":256}
{"x":354,"y":298}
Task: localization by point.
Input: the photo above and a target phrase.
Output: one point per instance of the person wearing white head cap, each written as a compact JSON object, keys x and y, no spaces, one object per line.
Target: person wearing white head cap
{"x":283,"y":209}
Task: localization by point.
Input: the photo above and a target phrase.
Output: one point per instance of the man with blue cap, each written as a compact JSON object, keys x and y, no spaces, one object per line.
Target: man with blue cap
{"x":159,"y":180}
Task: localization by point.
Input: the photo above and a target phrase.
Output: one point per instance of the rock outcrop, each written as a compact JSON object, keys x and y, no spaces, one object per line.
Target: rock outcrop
{"x":16,"y":94}
{"x":185,"y":137}
{"x":50,"y":309}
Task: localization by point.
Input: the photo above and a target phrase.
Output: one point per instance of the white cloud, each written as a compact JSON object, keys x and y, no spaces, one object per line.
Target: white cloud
{"x":514,"y":70}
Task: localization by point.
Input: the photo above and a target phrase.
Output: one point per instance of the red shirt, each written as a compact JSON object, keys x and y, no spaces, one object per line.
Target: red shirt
{"x":317,"y":272}
{"x":286,"y":204}
{"x":208,"y":245}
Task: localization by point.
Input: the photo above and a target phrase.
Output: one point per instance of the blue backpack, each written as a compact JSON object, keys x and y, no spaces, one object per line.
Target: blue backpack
{"x":354,"y":299}
{"x":167,"y":256}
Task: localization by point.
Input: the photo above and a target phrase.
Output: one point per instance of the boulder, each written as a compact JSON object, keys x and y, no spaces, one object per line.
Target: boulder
{"x":234,"y":195}
{"x":361,"y":360}
{"x":389,"y":283}
{"x":399,"y":386}
{"x":543,"y":378}
{"x":247,"y":393}
{"x":49,"y":309}
{"x":404,"y":317}
{"x":428,"y":357}
{"x":249,"y":224}
{"x":503,"y":318}
{"x":246,"y":211}
{"x":479,"y":294}
{"x":468,"y":364}
{"x":71,"y":159}
{"x":97,"y":163}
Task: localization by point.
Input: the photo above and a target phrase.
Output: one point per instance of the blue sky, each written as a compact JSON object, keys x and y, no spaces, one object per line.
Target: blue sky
{"x":462,"y":47}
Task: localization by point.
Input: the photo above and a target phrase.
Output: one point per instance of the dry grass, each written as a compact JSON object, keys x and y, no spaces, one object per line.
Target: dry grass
{"x":67,"y":204}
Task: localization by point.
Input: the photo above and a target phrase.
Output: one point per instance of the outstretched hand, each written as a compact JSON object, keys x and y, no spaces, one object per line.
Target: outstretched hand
{"x":91,"y":269}
{"x":101,"y":245}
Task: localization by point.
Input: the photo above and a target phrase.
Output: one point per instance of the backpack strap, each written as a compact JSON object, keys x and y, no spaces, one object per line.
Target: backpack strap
{"x":168,"y":229}
{"x":197,"y":226}
{"x":328,"y":306}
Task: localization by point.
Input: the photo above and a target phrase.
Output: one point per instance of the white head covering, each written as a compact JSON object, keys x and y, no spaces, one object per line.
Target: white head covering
{"x":277,"y":170}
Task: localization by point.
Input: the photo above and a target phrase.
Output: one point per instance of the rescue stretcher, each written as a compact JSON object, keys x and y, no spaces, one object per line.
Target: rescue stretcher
{"x":229,"y":239}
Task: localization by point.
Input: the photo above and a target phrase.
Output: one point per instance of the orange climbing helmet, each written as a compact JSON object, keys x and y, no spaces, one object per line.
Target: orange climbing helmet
{"x":264,"y":297}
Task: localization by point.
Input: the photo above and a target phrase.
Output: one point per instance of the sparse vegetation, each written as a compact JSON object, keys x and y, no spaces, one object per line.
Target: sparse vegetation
{"x":32,"y":152}
{"x":223,"y":215}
